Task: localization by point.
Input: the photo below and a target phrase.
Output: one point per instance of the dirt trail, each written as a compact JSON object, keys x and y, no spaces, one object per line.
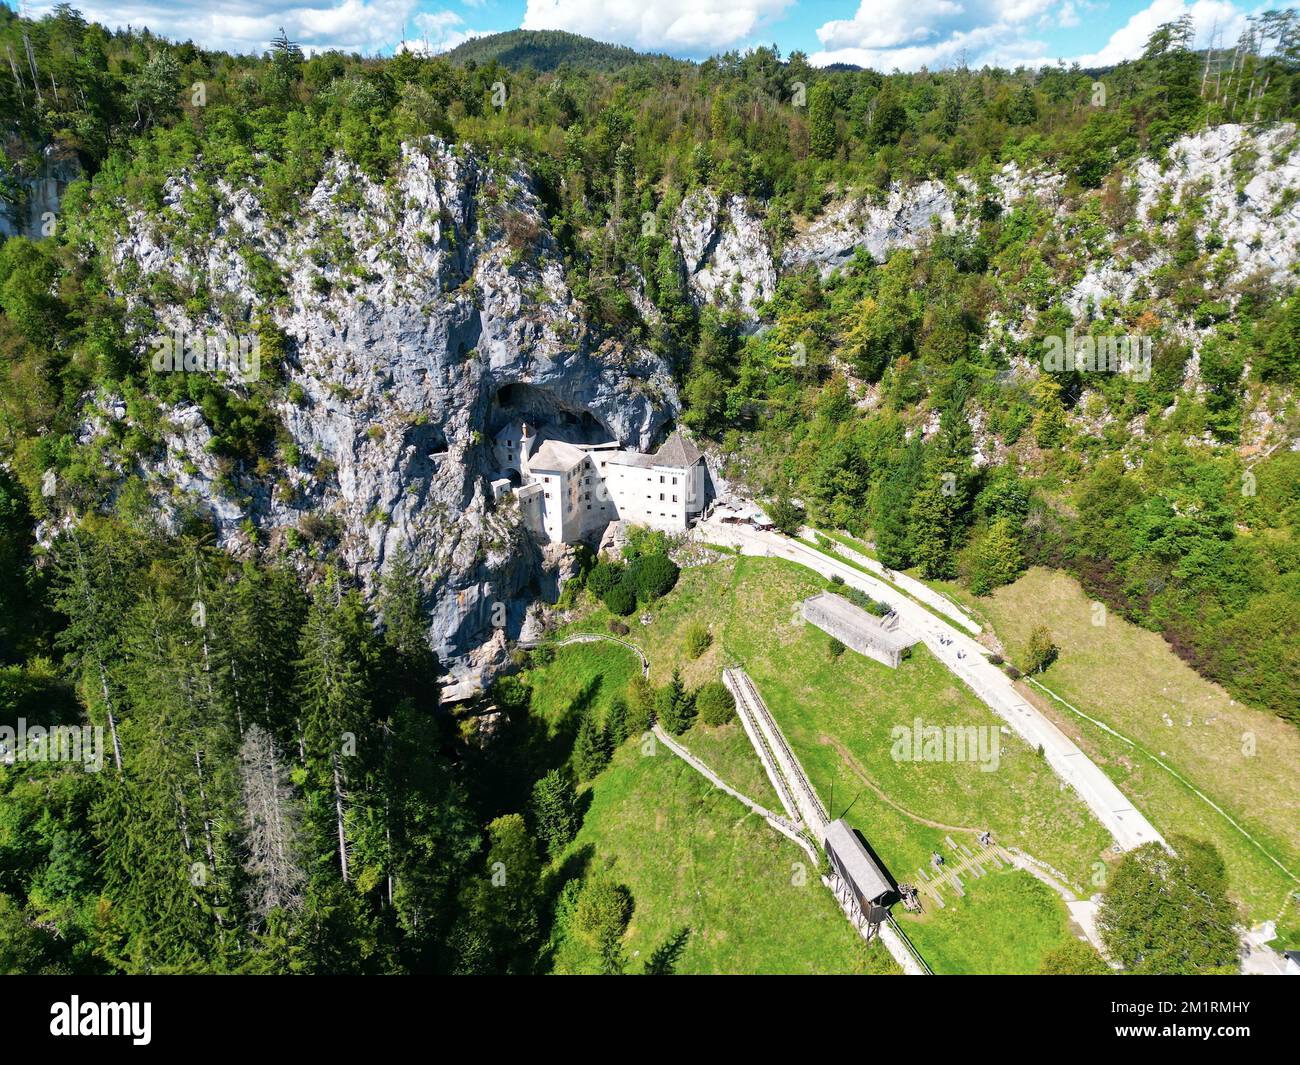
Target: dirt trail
{"x":862,"y":775}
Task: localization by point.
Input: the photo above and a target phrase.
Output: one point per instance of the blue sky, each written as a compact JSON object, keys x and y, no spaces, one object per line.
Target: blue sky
{"x":884,"y":34}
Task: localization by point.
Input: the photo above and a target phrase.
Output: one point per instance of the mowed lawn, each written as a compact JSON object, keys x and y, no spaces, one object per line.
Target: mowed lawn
{"x":694,"y":857}
{"x":1131,"y":680}
{"x":691,"y":855}
{"x":838,"y":715}
{"x":581,"y":676}
{"x":727,"y":751}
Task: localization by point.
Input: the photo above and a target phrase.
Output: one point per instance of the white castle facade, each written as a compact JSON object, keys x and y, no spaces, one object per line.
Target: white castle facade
{"x":571,"y":492}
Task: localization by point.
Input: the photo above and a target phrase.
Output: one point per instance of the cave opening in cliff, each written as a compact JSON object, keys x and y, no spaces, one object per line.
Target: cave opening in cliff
{"x":546,"y":414}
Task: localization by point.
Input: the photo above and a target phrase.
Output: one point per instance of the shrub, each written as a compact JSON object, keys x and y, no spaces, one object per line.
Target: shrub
{"x":1185,"y":896}
{"x":860,"y":598}
{"x":603,"y":577}
{"x":698,"y":639}
{"x":786,"y":515}
{"x":604,"y":909}
{"x":1074,"y":958}
{"x":620,"y":600}
{"x":715,"y":704}
{"x":652,"y":576}
{"x":618,"y":628}
{"x":834,"y":647}
{"x":643,"y":542}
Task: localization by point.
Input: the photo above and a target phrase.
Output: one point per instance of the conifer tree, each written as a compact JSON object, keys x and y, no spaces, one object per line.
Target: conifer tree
{"x":335,"y":701}
{"x":555,"y":811}
{"x":590,"y":748}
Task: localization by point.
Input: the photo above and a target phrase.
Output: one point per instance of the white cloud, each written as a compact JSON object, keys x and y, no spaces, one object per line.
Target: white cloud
{"x":1127,"y":42}
{"x":368,"y":26}
{"x":697,"y":27}
{"x":910,"y":34}
{"x":440,"y":31}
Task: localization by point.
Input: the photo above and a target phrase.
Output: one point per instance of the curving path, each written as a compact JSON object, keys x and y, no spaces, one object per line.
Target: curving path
{"x":592,"y":637}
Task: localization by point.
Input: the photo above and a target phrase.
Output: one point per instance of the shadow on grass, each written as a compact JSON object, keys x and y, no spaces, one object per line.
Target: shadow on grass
{"x":501,"y":775}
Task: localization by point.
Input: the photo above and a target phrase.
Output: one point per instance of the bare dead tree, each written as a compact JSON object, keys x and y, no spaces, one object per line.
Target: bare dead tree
{"x":31,"y":61}
{"x":271,"y":815}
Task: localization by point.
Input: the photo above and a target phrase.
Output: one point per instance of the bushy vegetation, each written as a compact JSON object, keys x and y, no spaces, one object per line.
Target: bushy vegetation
{"x":391,"y":849}
{"x":1166,"y":913}
{"x":715,"y":704}
{"x":646,"y":575}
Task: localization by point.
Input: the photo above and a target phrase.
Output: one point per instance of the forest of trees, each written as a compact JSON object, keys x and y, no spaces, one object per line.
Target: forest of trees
{"x":280,"y":793}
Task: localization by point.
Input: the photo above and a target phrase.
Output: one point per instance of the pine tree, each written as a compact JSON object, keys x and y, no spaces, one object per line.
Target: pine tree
{"x":91,"y":588}
{"x":334,"y":699}
{"x":616,"y":720}
{"x":640,"y":704}
{"x":891,"y":506}
{"x":995,"y":558}
{"x":555,"y":811}
{"x":674,"y":706}
{"x":255,"y":648}
{"x":501,"y":910}
{"x":934,"y":515}
{"x":590,"y":749}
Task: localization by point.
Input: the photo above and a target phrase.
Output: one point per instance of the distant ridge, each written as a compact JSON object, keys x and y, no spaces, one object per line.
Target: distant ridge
{"x":545,"y":50}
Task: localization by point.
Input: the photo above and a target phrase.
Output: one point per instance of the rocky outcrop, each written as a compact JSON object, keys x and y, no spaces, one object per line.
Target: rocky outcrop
{"x":905,"y":219}
{"x":40,"y":194}
{"x":414,"y":314}
{"x":1240,"y":185}
{"x":725,"y":251}
{"x":728,"y":259}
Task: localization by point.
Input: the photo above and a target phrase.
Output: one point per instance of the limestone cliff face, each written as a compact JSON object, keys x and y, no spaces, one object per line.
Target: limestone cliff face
{"x":419,"y":316}
{"x":728,"y":257}
{"x":37,"y":213}
{"x":905,"y":219}
{"x":725,"y":251}
{"x":1239,"y":185}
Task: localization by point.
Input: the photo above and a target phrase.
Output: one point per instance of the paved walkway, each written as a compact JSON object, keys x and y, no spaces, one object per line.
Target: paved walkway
{"x":592,"y":637}
{"x":786,"y":828}
{"x":965,"y":658}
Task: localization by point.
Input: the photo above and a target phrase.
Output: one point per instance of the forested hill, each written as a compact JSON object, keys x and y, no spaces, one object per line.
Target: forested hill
{"x":845,"y":284}
{"x":546,"y":50}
